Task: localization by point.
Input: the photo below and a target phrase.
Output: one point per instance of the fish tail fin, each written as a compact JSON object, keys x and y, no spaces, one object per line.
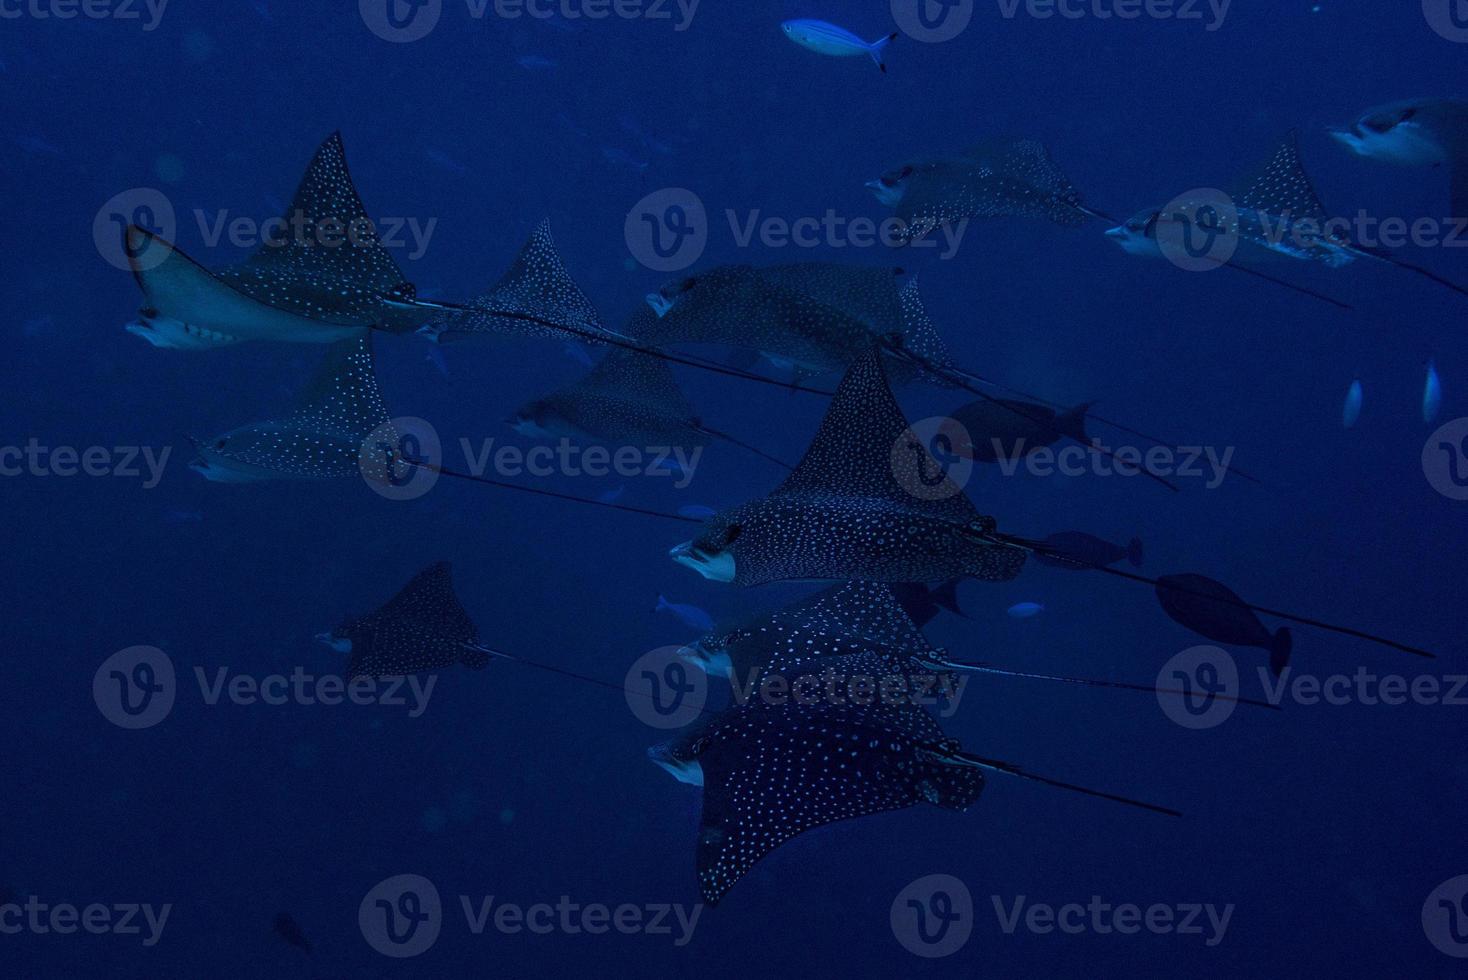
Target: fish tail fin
{"x":878,"y":50}
{"x":1280,"y":647}
{"x":662,"y":603}
{"x":1073,"y":422}
{"x":946,"y":597}
{"x":1134,"y":552}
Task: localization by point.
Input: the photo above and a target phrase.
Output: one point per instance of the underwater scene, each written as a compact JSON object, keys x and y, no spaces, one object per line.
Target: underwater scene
{"x":789,"y":488}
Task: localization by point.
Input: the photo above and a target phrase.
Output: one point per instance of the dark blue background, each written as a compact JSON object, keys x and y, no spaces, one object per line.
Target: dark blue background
{"x":1327,"y":826}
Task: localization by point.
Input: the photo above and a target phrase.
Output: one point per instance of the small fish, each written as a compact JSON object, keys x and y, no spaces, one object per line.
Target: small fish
{"x":828,"y":39}
{"x":696,"y":511}
{"x":445,"y":161}
{"x":1351,"y":413}
{"x":436,"y":358}
{"x":536,"y":62}
{"x":287,"y":929}
{"x":1006,"y":428}
{"x":1214,"y":612}
{"x":621,"y":158}
{"x":690,"y":616}
{"x":922,"y":604}
{"x":577,"y":352}
{"x":1076,"y":549}
{"x":1025,"y":610}
{"x":37,"y":145}
{"x":36,"y":326}
{"x":1432,"y":394}
{"x":611,"y":496}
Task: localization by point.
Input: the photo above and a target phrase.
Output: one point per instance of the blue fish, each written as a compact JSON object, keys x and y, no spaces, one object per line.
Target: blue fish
{"x":1432,"y":394}
{"x":611,"y":496}
{"x":535,"y":62}
{"x":1024,"y":610}
{"x":1351,"y":413}
{"x":828,"y":39}
{"x":696,"y":511}
{"x":691,"y":616}
{"x":436,"y":358}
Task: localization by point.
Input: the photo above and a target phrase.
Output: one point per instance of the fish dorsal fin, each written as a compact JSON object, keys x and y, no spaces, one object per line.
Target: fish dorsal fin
{"x":328,"y":237}
{"x":427,"y":606}
{"x":866,"y":611}
{"x":343,"y":399}
{"x":863,"y":439}
{"x":536,"y":285}
{"x":634,"y":377}
{"x":772,"y":773}
{"x":1280,"y":187}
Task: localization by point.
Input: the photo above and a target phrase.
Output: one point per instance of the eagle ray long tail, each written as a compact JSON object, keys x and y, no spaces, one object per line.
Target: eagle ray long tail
{"x":1010,"y":769}
{"x":585,"y":678}
{"x":984,"y":668}
{"x":706,"y":430}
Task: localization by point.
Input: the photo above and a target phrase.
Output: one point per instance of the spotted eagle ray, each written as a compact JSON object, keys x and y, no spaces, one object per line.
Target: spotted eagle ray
{"x":1417,"y":133}
{"x":321,"y":438}
{"x":845,"y":514}
{"x":811,"y":317}
{"x":536,"y":297}
{"x":816,"y":317}
{"x":627,"y":399}
{"x":326,"y":277}
{"x":856,"y":617}
{"x":868,"y":502}
{"x":773,"y":769}
{"x":1276,"y":211}
{"x":423,"y":627}
{"x":1003,"y":177}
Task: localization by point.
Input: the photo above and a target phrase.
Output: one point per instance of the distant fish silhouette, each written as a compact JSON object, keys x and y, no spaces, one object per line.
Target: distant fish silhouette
{"x":1006,"y":428}
{"x":1432,"y":394}
{"x":1078,"y":550}
{"x":322,"y":438}
{"x":535,"y":62}
{"x":287,"y":929}
{"x":424,"y":627}
{"x":329,"y":279}
{"x":1213,"y":611}
{"x":1005,"y":177}
{"x":696,"y":511}
{"x":690,"y":616}
{"x":923,"y":603}
{"x":1025,"y":610}
{"x":845,"y":514}
{"x":1351,"y":410}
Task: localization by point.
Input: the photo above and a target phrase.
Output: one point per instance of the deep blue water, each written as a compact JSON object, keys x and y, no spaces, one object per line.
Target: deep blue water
{"x":1326,"y":827}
